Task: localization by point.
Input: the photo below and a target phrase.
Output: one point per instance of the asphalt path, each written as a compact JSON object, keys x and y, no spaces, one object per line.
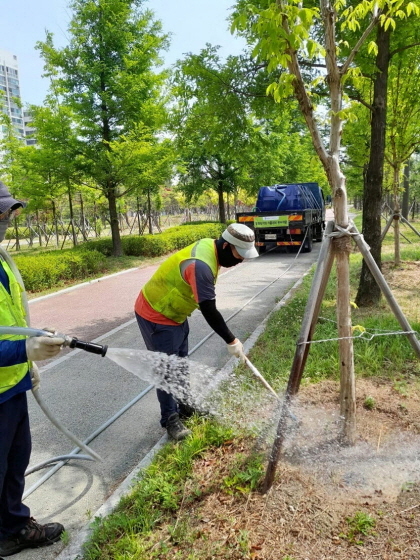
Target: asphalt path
{"x":84,"y":391}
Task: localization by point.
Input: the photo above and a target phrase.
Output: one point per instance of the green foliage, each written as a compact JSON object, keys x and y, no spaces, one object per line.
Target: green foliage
{"x":369,"y":403}
{"x":245,"y":476}
{"x":106,"y":76}
{"x":52,"y":268}
{"x":11,"y":233}
{"x":229,"y":133}
{"x":360,"y":525}
{"x":156,"y":245}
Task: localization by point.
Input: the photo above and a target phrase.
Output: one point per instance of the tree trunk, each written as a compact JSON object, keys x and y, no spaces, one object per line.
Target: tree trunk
{"x":73,"y":231}
{"x":54,"y":213}
{"x":397,"y":256}
{"x":138,"y":215}
{"x":82,"y":217}
{"x":369,"y":292}
{"x":406,"y":194}
{"x":149,"y":212}
{"x":117,"y":250}
{"x":17,"y":234}
{"x":222,"y":214}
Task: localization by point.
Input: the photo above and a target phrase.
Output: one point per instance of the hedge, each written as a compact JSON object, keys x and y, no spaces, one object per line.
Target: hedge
{"x":156,"y":245}
{"x":53,"y":268}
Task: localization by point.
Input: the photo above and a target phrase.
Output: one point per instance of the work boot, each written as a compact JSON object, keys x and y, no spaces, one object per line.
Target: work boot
{"x":33,"y":535}
{"x":176,"y":429}
{"x":186,"y":411}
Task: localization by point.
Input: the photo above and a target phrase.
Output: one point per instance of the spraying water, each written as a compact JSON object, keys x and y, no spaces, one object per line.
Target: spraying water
{"x":188,"y":381}
{"x":204,"y":388}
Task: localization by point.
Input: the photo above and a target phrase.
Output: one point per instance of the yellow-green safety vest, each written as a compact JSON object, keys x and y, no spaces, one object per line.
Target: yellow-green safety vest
{"x":167,"y":292}
{"x":12,"y":314}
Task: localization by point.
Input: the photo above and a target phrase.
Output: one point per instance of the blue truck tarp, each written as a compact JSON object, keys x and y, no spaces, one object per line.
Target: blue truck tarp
{"x":293,"y":196}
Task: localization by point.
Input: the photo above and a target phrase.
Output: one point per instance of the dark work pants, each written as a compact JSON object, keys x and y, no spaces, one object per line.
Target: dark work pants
{"x":170,"y":339}
{"x":15,"y":451}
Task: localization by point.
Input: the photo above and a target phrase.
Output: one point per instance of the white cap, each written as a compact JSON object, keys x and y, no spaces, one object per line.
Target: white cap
{"x":242,"y":238}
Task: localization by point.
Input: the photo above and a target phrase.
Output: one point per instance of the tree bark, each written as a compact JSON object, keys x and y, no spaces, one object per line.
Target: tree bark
{"x":406,"y":194}
{"x":115,"y":230}
{"x":54,"y":213}
{"x":73,"y":231}
{"x":222,"y":214}
{"x":369,"y":292}
{"x":397,"y":255}
{"x":149,"y":212}
{"x":82,"y":217}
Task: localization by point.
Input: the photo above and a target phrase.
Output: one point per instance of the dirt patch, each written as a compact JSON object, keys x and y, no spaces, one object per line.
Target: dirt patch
{"x":404,"y":282}
{"x":327,"y":502}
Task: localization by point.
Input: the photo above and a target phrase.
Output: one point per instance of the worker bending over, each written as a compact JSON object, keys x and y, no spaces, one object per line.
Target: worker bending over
{"x":184,"y":282}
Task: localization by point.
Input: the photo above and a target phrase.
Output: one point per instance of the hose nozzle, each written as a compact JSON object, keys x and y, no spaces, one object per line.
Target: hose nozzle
{"x":92,"y":347}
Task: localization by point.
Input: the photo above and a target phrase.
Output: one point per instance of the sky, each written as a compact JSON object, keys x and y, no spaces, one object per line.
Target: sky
{"x":192,"y":23}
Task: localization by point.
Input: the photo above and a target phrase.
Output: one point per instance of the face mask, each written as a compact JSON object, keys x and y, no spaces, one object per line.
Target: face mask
{"x":225,"y":255}
{"x":4,"y":224}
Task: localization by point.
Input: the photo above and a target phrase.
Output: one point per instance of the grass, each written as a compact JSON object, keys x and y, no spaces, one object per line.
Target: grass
{"x":360,"y":525}
{"x":154,"y":500}
{"x":167,"y":489}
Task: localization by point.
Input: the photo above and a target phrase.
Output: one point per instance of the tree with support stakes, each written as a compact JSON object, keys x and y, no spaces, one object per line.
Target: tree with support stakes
{"x":403,"y":131}
{"x":283,"y":33}
{"x":108,"y":76}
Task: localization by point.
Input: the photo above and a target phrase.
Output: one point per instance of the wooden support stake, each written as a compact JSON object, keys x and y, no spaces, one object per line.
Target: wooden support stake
{"x":319,"y":282}
{"x":379,"y":277}
{"x":386,"y":228}
{"x":345,"y":343}
{"x":409,"y":225}
{"x":397,"y":254}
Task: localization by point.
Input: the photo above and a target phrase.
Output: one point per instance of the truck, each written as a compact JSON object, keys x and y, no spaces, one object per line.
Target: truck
{"x":289,"y":215}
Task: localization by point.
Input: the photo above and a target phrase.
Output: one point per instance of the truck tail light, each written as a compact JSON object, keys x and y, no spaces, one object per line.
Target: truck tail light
{"x":296,"y":231}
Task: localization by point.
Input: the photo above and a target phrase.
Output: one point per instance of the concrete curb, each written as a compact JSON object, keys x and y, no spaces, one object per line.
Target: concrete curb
{"x":74,"y":550}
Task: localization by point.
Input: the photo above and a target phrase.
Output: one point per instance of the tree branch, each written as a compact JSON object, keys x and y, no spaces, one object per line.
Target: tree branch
{"x":402,"y":49}
{"x":361,"y":101}
{"x":303,"y":98}
{"x":359,"y":43}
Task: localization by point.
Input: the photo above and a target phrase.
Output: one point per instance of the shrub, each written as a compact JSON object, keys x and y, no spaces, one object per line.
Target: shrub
{"x":159,"y":244}
{"x":52,"y":268}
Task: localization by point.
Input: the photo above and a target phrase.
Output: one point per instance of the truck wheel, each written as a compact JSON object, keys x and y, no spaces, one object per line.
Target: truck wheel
{"x":307,"y":247}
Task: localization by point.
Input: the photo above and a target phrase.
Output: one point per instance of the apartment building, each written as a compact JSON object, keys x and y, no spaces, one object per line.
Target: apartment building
{"x":10,"y":98}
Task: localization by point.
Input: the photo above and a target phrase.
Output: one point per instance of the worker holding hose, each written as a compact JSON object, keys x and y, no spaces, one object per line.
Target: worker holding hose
{"x":184,"y":282}
{"x":18,"y":374}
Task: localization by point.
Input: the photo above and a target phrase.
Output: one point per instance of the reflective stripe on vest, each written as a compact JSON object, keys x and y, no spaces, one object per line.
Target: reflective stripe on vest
{"x":167,"y":292}
{"x":12,"y":314}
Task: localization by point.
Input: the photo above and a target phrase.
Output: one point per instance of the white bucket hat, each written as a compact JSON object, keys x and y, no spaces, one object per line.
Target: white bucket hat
{"x":242,"y":238}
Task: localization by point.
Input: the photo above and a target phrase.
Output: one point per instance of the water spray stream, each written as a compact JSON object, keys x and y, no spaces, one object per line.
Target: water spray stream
{"x":190,"y":382}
